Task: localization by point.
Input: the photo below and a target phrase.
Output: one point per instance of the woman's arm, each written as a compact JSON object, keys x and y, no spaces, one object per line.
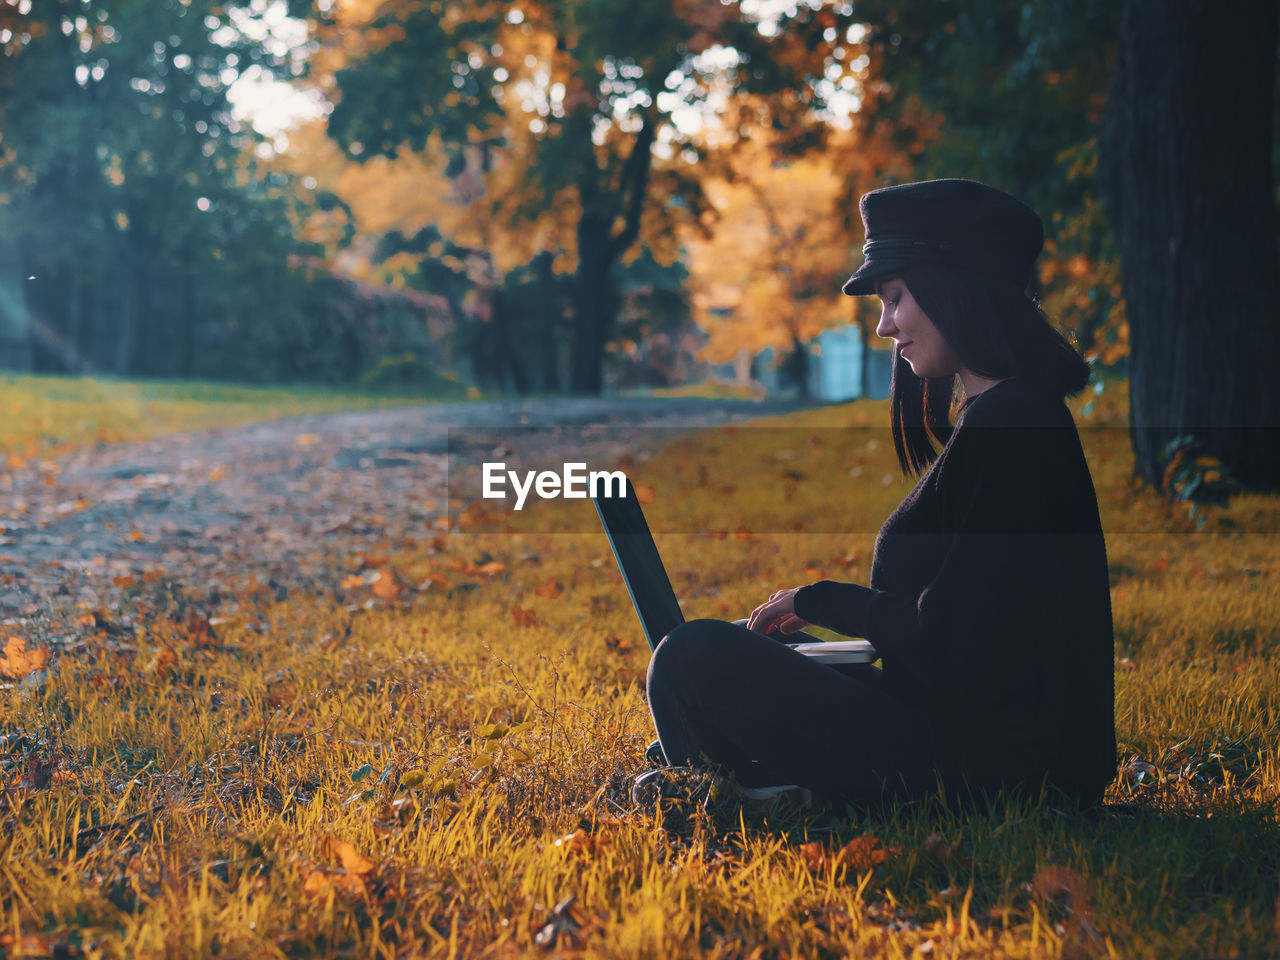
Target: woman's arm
{"x":999,"y":500}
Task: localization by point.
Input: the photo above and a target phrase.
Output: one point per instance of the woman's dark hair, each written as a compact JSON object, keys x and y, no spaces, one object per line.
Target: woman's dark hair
{"x":996,"y":331}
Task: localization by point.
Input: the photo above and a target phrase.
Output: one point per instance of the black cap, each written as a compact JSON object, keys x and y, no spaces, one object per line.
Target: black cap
{"x":960,"y":222}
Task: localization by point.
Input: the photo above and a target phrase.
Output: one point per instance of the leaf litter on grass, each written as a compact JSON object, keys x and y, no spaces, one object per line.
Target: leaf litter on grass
{"x":183,"y":784}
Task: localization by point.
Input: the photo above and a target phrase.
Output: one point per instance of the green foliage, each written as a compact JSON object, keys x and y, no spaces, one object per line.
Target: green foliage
{"x":134,"y":199}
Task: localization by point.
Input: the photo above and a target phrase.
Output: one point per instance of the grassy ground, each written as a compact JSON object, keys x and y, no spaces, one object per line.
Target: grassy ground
{"x":425,"y":756}
{"x":42,"y":416}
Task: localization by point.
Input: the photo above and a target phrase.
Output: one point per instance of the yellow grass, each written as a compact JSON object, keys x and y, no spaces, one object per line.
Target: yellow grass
{"x":429,"y":770}
{"x":48,"y":415}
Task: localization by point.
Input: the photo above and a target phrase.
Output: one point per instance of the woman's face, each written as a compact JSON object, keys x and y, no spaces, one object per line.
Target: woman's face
{"x":918,"y":340}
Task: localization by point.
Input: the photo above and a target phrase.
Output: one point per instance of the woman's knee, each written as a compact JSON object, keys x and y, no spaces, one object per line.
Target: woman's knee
{"x":688,"y":649}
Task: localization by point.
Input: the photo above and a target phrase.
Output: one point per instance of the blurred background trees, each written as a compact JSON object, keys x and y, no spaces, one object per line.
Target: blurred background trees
{"x":566,"y":195}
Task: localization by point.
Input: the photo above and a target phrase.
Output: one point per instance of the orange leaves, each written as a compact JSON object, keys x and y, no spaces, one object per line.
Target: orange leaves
{"x":136,"y":536}
{"x":475,"y":516}
{"x":485,"y":566}
{"x":525,"y":618}
{"x":384,"y":581}
{"x":551,"y":589}
{"x":356,"y":867}
{"x":388,"y":586}
{"x":198,"y":628}
{"x":859,"y":855}
{"x":17,"y":661}
{"x":352,"y":860}
{"x":585,"y":844}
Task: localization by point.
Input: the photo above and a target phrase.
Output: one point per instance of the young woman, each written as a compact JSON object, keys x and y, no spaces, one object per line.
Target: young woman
{"x":988,"y":600}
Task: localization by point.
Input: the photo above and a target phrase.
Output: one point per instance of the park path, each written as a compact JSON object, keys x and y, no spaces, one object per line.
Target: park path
{"x":279,"y":500}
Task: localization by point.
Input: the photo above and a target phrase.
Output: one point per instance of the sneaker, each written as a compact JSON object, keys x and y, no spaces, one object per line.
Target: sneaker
{"x":653,"y":753}
{"x":777,"y":794}
{"x":669,"y":783}
{"x":694,"y":783}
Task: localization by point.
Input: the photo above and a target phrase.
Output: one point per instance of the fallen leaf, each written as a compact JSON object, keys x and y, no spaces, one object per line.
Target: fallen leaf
{"x":137,"y":536}
{"x":551,"y":589}
{"x":412,"y":778}
{"x":353,"y":861}
{"x":123,"y":582}
{"x":388,"y":586}
{"x":17,"y":661}
{"x":860,"y":854}
{"x":319,"y":883}
{"x":352,"y":582}
{"x":163,"y":660}
{"x":863,"y":853}
{"x":198,"y":628}
{"x":523,"y":617}
{"x":814,"y":854}
{"x":26,"y":944}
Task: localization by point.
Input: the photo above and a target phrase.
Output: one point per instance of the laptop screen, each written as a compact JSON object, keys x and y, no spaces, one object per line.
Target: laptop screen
{"x":641,"y":567}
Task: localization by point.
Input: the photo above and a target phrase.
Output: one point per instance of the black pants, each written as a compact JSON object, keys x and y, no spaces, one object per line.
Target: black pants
{"x":746,"y":702}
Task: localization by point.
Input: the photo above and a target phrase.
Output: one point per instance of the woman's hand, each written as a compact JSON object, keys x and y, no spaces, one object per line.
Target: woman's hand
{"x":778,"y":613}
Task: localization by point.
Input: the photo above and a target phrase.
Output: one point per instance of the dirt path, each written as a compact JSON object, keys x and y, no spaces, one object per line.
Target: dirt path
{"x":279,"y":499}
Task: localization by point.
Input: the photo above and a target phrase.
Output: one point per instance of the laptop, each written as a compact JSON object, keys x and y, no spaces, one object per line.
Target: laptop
{"x":655,"y":601}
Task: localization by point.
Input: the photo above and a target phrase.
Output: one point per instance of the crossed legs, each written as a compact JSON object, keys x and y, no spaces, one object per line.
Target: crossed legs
{"x":722,"y":693}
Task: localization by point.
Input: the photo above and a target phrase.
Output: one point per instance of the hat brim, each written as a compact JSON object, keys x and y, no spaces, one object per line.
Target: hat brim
{"x":863,"y":281}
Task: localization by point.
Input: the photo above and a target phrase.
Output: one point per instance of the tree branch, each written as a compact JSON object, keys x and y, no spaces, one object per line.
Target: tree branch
{"x":635,"y":177}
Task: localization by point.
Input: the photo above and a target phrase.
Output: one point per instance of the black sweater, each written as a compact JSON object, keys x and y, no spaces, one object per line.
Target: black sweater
{"x":989,"y":600}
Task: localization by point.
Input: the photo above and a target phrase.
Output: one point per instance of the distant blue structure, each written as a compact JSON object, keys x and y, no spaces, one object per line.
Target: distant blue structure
{"x":837,"y":370}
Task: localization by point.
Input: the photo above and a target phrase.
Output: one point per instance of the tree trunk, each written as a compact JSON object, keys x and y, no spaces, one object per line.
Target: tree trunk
{"x":598,"y":247}
{"x":1185,"y":167}
{"x":547,"y":311}
{"x":591,"y":324}
{"x":797,"y":366}
{"x":187,"y":320}
{"x":509,"y":363}
{"x":126,"y":332}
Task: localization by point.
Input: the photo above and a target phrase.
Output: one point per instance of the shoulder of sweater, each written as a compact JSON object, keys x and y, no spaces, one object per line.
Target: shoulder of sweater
{"x":1016,"y":403}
